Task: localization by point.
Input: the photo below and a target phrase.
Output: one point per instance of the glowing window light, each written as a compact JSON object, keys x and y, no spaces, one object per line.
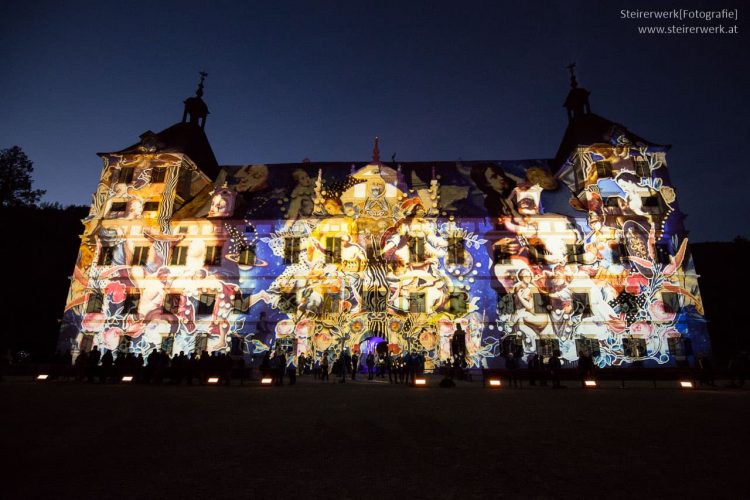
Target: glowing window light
{"x":589,"y":383}
{"x":213,"y":380}
{"x":127,"y":378}
{"x":266,"y":381}
{"x":42,"y":376}
{"x":420,"y":381}
{"x":686,"y":384}
{"x":495,"y":382}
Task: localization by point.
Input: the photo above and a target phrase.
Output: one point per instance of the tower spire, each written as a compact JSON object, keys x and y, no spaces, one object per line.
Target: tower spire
{"x":577,"y":102}
{"x":196,"y":109}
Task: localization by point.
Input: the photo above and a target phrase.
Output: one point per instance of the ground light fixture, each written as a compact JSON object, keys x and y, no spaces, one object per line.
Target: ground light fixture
{"x":590,"y":384}
{"x":495,"y":382}
{"x":686,"y":384}
{"x":213,"y":380}
{"x":127,"y":378}
{"x":420,"y":381}
{"x":42,"y":377}
{"x":266,"y":381}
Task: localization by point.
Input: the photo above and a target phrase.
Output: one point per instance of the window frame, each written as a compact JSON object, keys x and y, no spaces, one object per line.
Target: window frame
{"x":292,"y":245}
{"x":417,"y":302}
{"x":140,"y":255}
{"x":206,"y":307}
{"x":456,"y":249}
{"x":106,"y":256}
{"x":213,"y":255}
{"x":178,"y":255}
{"x":97,"y":299}
{"x":158,"y":175}
{"x":333,"y":250}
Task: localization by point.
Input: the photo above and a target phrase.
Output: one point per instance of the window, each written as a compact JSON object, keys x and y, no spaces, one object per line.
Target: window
{"x":172,"y":302}
{"x":676,"y":347}
{"x":511,"y":344}
{"x":456,"y":251}
{"x":642,"y":168}
{"x":333,"y":250}
{"x":671,"y":302}
{"x":213,"y":256}
{"x":547,"y":347}
{"x":140,"y":256}
{"x":505,"y":304}
{"x":582,"y":304}
{"x":540,"y":303}
{"x":151,"y":206}
{"x":206,"y":304}
{"x":126,"y":175}
{"x":179,"y":255}
{"x":118,"y":207}
{"x":106,"y":256}
{"x":330,"y":303}
{"x":575,"y":253}
{"x":291,"y":250}
{"x":132,"y":299}
{"x":613,"y":202}
{"x":158,"y":175}
{"x":416,"y":249}
{"x":652,"y":204}
{"x":241,"y":301}
{"x":537,"y":254}
{"x":619,"y":254}
{"x":375,"y":299}
{"x":591,"y":346}
{"x":416,"y":303}
{"x":458,"y":303}
{"x":603,"y":169}
{"x":182,"y":230}
{"x":501,"y":254}
{"x":634,"y":348}
{"x":246,"y":256}
{"x":288,"y":302}
{"x":87,"y":343}
{"x":95,"y":303}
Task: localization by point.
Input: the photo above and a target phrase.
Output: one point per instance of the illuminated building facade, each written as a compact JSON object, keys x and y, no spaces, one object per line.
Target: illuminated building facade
{"x":585,"y":251}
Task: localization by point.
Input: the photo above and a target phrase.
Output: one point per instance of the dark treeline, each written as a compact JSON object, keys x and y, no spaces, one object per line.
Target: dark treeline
{"x":39,"y":250}
{"x":724,"y":294}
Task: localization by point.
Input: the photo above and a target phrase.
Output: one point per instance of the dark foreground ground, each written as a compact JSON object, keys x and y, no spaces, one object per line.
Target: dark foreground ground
{"x":365,"y":440}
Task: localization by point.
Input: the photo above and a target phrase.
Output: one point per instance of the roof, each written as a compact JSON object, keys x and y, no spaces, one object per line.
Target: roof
{"x":590,"y":128}
{"x":188,"y":138}
{"x":467,"y":188}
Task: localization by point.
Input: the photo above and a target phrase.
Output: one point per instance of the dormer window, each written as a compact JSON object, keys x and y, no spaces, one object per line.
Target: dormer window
{"x":126,"y":175}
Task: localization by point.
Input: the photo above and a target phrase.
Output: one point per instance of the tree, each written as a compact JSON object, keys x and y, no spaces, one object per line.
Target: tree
{"x":15,"y":179}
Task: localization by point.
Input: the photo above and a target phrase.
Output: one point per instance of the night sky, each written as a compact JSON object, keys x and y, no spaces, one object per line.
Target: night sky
{"x":436,"y":81}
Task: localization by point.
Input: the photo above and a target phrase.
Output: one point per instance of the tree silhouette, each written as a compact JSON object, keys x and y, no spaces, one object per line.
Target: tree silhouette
{"x":15,"y":179}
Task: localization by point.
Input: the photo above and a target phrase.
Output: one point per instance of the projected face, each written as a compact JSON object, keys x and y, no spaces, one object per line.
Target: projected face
{"x":251,"y":178}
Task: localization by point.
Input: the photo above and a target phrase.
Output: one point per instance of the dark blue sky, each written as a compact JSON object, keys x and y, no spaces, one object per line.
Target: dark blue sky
{"x":289,"y":80}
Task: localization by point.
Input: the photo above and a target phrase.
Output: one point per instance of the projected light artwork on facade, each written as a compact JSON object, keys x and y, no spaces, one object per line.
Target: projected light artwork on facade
{"x":585,"y":252}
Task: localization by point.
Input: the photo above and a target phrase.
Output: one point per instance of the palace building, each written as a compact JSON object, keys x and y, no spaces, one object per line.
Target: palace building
{"x":585,"y":251}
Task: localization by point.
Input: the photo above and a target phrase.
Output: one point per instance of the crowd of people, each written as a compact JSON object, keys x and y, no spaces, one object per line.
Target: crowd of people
{"x":158,"y":367}
{"x":401,"y":369}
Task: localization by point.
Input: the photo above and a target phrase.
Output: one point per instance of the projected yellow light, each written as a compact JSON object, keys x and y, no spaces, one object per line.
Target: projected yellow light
{"x":494,"y":382}
{"x":686,"y":384}
{"x":127,"y":378}
{"x":266,"y":381}
{"x":589,"y":383}
{"x":420,"y":381}
{"x":42,"y":376}
{"x":213,"y":380}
